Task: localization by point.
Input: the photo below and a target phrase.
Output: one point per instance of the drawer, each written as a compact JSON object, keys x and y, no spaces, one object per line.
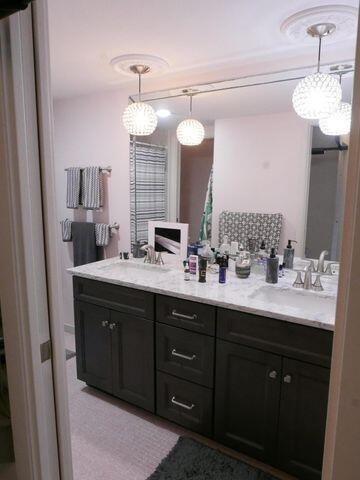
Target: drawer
{"x":184,"y":403}
{"x":185,"y":314}
{"x":123,"y":299}
{"x":185,"y":354}
{"x":301,"y":342}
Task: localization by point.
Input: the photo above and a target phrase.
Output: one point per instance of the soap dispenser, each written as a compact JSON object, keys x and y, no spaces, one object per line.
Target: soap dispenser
{"x":289,"y":254}
{"x":272,"y":267}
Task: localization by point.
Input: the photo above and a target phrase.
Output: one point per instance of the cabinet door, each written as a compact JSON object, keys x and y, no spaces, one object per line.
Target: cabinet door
{"x":247,"y":394}
{"x":133,"y":359}
{"x":302,"y":423}
{"x":93,"y":345}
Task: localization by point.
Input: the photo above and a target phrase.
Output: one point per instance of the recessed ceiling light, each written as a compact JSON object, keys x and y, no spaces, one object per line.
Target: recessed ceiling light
{"x":163,"y":113}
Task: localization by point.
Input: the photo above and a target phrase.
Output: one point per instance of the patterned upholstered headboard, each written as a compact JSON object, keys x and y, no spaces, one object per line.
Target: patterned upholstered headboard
{"x":258,"y":226}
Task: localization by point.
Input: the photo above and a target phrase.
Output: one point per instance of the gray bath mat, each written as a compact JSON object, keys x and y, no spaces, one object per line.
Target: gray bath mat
{"x":69,"y":354}
{"x":190,"y":460}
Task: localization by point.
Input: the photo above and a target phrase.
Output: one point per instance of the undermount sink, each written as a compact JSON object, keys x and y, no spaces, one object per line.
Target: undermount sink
{"x":140,"y":266}
{"x":304,"y":300}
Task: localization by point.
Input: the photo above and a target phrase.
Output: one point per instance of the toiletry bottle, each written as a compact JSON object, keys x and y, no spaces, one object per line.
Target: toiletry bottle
{"x":222,"y":270}
{"x":202,"y":269}
{"x":193,"y":264}
{"x":262,"y":250}
{"x":186,"y":271}
{"x":281,"y":270}
{"x":289,"y":253}
{"x":272,"y":267}
{"x":243,"y":264}
{"x":225,"y":246}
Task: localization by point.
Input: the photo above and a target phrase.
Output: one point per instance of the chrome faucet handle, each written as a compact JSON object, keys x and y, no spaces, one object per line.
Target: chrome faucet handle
{"x":317,"y":286}
{"x":298,"y":281}
{"x":312,"y":266}
{"x":159,"y":260}
{"x":328,"y":269}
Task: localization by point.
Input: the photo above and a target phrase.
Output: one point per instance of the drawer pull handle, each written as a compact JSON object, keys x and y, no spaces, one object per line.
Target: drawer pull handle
{"x":273,"y":374}
{"x":174,"y":313}
{"x":182,"y":405}
{"x":112,"y":326}
{"x":287,"y":378}
{"x":104,"y":323}
{"x":174,"y":353}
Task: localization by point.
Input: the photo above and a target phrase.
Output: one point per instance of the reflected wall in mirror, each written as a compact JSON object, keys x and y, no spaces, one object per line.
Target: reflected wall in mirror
{"x":258,"y":157}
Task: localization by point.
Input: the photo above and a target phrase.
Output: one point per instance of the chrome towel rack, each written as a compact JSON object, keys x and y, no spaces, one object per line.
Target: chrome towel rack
{"x":103,"y":169}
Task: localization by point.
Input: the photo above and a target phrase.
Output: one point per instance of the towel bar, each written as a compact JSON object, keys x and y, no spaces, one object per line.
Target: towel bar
{"x":103,"y":169}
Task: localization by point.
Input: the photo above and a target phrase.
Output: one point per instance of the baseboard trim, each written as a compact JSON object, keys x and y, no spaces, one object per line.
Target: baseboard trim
{"x":69,"y":328}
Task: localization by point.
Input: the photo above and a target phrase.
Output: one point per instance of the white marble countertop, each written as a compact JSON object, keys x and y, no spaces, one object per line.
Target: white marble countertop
{"x":253,"y":295}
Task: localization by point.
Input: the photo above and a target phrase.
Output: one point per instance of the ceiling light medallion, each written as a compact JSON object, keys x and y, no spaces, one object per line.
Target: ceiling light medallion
{"x":139,"y":118}
{"x":318,"y":95}
{"x":190,"y":132}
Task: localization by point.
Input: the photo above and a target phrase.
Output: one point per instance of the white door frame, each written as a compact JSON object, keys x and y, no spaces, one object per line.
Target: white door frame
{"x":342,"y":458}
{"x":23,"y":282}
{"x":52,"y":230}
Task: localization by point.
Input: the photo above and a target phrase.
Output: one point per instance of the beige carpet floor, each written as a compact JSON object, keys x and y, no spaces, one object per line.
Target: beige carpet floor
{"x":110,"y":439}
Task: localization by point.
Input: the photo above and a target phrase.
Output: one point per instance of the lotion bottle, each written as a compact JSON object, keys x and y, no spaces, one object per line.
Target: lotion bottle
{"x":289,"y":254}
{"x":272,"y":268}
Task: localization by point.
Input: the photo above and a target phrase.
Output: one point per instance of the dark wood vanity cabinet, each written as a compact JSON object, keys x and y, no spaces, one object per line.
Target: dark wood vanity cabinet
{"x":93,"y":345}
{"x":302,"y":419}
{"x":247,"y":396}
{"x":115,"y":347}
{"x":256,"y":384}
{"x":268,"y":405}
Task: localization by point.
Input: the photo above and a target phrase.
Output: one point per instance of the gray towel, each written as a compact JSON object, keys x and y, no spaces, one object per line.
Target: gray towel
{"x":85,"y":249}
{"x":91,"y":188}
{"x":66,"y":230}
{"x":102,"y":234}
{"x":73,"y":187}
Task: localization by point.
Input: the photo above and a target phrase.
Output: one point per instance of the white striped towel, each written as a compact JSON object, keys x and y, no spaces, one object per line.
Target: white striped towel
{"x":73,"y":187}
{"x":91,"y":188}
{"x":102,"y":234}
{"x":66,"y":230}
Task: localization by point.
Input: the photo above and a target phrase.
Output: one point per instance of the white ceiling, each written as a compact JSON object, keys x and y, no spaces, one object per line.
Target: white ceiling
{"x":201,"y":40}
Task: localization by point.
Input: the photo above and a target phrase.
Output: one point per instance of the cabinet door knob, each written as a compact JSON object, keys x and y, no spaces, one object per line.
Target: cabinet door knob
{"x":273,"y":374}
{"x":175,"y":353}
{"x":287,"y":378}
{"x":112,"y":326}
{"x":181,"y":404}
{"x":104,"y":323}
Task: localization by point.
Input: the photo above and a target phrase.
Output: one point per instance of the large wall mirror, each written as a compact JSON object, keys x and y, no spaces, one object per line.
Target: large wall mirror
{"x":257,"y":157}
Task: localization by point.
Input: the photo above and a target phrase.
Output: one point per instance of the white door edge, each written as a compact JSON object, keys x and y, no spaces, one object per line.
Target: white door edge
{"x":23,"y":288}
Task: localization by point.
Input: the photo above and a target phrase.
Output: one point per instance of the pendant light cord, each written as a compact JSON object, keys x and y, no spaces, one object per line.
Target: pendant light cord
{"x":139,"y":86}
{"x":191,"y":101}
{"x":319,"y":54}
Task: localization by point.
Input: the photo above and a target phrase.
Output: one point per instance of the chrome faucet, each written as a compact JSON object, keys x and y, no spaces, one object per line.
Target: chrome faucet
{"x":308,"y":284}
{"x":308,"y":278}
{"x":321,"y":261}
{"x":150,"y":254}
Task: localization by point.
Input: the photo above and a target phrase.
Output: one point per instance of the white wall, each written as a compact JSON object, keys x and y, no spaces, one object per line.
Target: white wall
{"x":89,"y":131}
{"x":261,"y":164}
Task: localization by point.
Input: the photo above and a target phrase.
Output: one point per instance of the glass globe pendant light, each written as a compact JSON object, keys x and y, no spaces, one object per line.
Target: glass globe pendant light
{"x":139,"y":118}
{"x":339,"y":122}
{"x":190,"y":131}
{"x":317,"y":95}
